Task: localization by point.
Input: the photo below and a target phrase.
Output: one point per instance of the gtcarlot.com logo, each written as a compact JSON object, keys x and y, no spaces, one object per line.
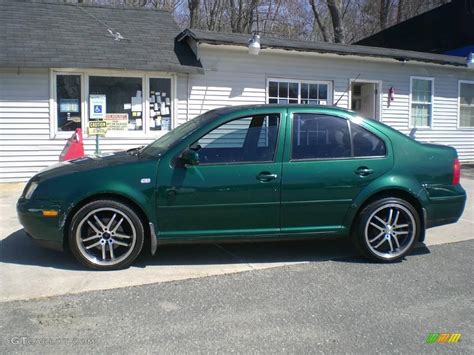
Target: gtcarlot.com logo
{"x":25,"y":340}
{"x":443,"y":338}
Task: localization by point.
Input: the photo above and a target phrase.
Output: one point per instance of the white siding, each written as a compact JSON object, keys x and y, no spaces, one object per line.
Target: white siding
{"x":233,"y":77}
{"x":25,"y":144}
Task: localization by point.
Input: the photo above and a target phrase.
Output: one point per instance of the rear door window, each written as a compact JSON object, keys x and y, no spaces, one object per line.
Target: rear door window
{"x":319,"y":136}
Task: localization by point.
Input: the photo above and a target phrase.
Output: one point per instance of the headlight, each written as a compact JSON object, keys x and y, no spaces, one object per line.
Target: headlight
{"x":30,"y":189}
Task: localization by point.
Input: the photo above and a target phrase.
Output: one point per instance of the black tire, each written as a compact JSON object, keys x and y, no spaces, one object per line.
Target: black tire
{"x":117,"y":233}
{"x":369,"y":231}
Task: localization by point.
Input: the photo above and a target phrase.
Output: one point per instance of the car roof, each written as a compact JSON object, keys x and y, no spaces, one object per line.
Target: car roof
{"x":232,"y":109}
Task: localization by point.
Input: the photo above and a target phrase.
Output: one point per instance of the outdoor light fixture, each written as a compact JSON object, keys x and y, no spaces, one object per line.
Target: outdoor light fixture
{"x":470,"y":60}
{"x":254,"y":44}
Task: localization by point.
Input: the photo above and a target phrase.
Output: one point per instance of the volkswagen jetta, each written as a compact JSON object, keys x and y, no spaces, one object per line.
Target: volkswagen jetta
{"x":249,"y":172}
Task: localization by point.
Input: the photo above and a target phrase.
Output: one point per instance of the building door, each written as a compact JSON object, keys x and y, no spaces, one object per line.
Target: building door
{"x":365,"y":99}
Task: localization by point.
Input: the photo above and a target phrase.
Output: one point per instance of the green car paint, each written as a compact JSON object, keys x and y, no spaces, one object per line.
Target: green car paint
{"x":304,"y":198}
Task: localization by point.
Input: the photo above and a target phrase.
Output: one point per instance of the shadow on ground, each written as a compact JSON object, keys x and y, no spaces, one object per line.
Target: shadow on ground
{"x":18,"y":248}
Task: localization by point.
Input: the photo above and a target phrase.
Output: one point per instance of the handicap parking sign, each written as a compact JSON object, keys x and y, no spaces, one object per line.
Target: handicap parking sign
{"x":97,"y":106}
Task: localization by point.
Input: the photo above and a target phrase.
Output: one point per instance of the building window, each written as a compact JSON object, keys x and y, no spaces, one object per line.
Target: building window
{"x":131,"y":105}
{"x":297,"y":92}
{"x":160,"y":104}
{"x":421,"y":102}
{"x":123,"y":97}
{"x":68,"y":102}
{"x":466,"y":104}
{"x":314,"y":94}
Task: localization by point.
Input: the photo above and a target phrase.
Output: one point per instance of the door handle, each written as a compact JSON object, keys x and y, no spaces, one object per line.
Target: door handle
{"x":266,"y":176}
{"x":363,"y":171}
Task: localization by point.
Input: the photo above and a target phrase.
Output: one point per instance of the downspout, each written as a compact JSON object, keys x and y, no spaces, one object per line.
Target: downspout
{"x":188,"y":95}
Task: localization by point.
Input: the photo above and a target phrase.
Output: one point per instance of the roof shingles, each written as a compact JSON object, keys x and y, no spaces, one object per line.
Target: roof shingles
{"x":45,"y":34}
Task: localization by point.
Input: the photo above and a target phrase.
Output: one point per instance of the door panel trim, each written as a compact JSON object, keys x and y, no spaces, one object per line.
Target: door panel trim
{"x":222,"y":205}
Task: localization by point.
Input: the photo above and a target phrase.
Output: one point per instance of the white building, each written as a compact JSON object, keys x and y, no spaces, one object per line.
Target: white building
{"x":155,"y":77}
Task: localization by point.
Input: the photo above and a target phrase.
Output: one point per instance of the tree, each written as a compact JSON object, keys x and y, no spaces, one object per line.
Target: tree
{"x":384,"y":13}
{"x":340,"y":21}
{"x":193,"y":6}
{"x":242,"y":15}
{"x":334,"y":7}
{"x":400,"y":10}
{"x":322,"y":27}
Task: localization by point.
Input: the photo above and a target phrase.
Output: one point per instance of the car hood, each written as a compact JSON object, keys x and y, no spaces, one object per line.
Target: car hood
{"x":89,"y":163}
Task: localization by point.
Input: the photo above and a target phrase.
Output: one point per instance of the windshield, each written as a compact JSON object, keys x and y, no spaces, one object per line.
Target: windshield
{"x":176,"y":135}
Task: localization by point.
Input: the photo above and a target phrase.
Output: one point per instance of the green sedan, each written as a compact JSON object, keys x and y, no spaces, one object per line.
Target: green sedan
{"x":263,"y":172}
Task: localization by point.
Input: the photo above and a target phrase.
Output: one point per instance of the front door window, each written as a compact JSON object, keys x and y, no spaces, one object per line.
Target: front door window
{"x":248,"y":139}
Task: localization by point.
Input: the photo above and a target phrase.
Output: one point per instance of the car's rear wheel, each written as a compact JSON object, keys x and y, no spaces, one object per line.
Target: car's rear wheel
{"x":387,"y":230}
{"x":106,"y":235}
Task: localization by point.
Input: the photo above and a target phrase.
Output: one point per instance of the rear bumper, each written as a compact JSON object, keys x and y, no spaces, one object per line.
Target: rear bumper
{"x":46,"y":231}
{"x":445,"y":210}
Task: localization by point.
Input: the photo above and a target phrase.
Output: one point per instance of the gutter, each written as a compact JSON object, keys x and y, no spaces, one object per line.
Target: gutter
{"x":232,"y":39}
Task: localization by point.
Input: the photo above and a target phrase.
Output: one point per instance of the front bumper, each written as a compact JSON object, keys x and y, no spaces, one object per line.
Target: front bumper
{"x":47,"y":231}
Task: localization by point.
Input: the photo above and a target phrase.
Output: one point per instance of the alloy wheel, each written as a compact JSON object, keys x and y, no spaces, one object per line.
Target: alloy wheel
{"x":390,"y":230}
{"x":106,"y":236}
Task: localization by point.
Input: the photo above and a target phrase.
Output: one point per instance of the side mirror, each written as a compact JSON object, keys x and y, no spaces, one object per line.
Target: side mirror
{"x":190,"y":157}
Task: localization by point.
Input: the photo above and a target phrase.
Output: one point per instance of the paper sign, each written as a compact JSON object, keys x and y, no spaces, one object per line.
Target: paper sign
{"x":165,"y":123}
{"x":127,"y":106}
{"x":137,"y":104}
{"x":97,"y":106}
{"x":117,"y":121}
{"x":69,"y":105}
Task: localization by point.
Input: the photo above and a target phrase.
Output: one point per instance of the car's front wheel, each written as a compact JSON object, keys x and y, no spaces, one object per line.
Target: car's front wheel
{"x":387,"y":229}
{"x":106,"y":235}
